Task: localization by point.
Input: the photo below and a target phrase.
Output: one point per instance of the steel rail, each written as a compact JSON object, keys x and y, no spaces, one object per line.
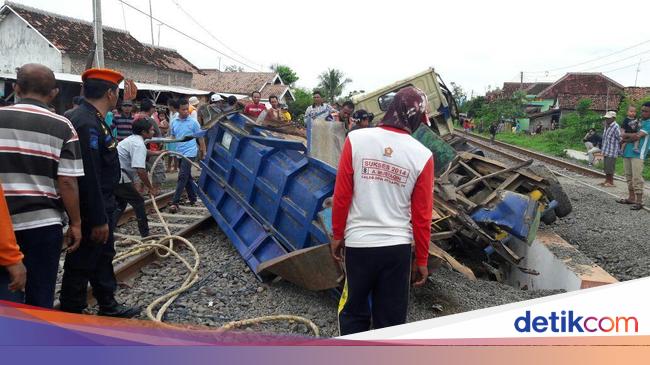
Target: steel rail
{"x":487,"y":144}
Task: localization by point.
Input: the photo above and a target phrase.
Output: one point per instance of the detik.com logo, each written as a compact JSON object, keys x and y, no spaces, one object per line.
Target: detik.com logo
{"x":567,"y":321}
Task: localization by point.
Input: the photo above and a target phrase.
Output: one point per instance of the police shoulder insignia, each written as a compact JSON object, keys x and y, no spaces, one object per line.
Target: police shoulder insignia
{"x":94,"y":138}
{"x":388,"y":152}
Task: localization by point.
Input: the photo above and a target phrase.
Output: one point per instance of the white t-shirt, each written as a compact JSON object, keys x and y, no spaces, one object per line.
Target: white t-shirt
{"x":387,"y":166}
{"x":132,"y":153}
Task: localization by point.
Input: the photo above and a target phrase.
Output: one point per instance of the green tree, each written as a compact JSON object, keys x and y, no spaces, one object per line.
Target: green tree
{"x":332,"y":82}
{"x":287,"y":74}
{"x":459,"y":95}
{"x":582,"y":107}
{"x":575,"y":125}
{"x":473,"y":107}
{"x":299,"y":105}
{"x":622,"y":108}
{"x":509,"y":108}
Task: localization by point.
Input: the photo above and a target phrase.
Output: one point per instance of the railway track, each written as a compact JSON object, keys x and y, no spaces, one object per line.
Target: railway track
{"x":189,"y":220}
{"x":503,"y":148}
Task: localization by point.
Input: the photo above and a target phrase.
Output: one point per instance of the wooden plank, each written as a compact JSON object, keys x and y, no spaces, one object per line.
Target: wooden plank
{"x":475,"y":173}
{"x":191,"y":216}
{"x":470,"y":204}
{"x":504,"y":186}
{"x":438,"y":252}
{"x":202,"y":209}
{"x":437,"y":236}
{"x":490,"y":161}
{"x":170,"y":225}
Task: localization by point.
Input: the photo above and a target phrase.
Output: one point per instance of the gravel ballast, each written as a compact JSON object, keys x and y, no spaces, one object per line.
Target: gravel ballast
{"x":228,"y":291}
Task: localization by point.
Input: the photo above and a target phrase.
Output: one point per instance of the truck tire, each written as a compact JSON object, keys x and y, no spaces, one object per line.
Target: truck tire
{"x":556,"y":192}
{"x":543,"y":172}
{"x":549,"y":217}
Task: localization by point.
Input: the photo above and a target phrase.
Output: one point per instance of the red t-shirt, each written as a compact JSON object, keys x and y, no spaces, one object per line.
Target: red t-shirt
{"x":254,"y":110}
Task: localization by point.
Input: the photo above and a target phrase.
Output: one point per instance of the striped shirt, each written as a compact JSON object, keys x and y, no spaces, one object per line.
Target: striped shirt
{"x":123,"y":125}
{"x":611,"y":140}
{"x":36,"y":146}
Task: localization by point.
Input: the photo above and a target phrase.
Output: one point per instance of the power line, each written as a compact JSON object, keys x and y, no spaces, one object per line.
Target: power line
{"x":188,"y":36}
{"x":636,"y":64}
{"x":593,"y":59}
{"x":622,"y":59}
{"x":212,"y":35}
{"x":123,"y":17}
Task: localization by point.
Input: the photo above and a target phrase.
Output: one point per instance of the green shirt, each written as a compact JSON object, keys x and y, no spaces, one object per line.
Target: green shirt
{"x":644,"y":143}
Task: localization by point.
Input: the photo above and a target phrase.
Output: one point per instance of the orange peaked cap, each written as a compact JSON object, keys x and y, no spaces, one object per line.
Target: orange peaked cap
{"x":103,"y":74}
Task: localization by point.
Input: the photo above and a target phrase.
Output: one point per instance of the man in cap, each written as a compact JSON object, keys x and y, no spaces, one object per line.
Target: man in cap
{"x":361,"y":119}
{"x":194,"y":107}
{"x":40,"y":160}
{"x":383,"y":199}
{"x":123,"y":122}
{"x":93,"y":261}
{"x":208,"y":113}
{"x":611,"y":147}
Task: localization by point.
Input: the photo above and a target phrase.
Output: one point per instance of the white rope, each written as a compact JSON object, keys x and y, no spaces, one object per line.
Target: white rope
{"x":164,"y":246}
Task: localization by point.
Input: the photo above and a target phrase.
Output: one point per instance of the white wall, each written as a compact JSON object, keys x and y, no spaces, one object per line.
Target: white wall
{"x":20,"y":44}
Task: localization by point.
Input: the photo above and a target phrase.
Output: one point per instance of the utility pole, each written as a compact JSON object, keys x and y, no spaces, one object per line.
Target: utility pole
{"x":99,"y":35}
{"x":159,"y":25}
{"x":151,"y":23}
{"x":607,"y":100}
{"x":637,"y":72}
{"x":521,"y":80}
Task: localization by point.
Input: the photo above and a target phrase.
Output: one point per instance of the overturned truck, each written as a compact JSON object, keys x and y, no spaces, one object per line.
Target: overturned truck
{"x":272,"y":199}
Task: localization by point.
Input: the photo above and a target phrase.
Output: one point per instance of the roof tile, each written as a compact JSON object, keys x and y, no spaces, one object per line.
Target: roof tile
{"x":232,"y":82}
{"x":75,"y":36}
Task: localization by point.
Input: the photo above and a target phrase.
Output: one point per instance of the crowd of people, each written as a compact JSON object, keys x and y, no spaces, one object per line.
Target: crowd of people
{"x":628,"y":141}
{"x":82,"y":170}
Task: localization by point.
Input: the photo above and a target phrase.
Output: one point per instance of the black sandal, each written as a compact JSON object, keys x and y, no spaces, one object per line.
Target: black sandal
{"x":636,"y":207}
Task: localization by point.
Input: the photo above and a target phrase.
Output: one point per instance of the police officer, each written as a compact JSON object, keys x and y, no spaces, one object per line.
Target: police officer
{"x":92,"y":262}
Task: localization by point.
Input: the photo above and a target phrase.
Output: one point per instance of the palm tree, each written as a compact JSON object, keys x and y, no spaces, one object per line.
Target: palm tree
{"x":332,"y":83}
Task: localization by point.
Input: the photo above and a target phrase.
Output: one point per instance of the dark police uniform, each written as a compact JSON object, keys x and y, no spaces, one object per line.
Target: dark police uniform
{"x":93,"y":262}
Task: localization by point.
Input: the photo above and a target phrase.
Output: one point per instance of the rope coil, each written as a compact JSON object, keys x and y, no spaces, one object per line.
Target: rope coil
{"x":163,"y":244}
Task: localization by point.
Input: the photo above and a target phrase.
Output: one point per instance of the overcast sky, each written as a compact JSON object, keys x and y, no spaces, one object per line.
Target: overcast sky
{"x":476,"y":44}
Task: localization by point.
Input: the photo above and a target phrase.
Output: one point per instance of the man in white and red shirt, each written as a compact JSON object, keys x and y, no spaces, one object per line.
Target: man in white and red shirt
{"x":383,"y":202}
{"x":254,"y":109}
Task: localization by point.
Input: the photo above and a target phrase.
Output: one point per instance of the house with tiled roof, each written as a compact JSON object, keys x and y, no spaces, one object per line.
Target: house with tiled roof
{"x":242,"y":84}
{"x":565,"y":93}
{"x":604,"y":93}
{"x":636,"y":93}
{"x":530,"y":89}
{"x":64,"y":45}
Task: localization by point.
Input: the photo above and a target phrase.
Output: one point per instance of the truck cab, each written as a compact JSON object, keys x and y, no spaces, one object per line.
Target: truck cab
{"x":442,"y":108}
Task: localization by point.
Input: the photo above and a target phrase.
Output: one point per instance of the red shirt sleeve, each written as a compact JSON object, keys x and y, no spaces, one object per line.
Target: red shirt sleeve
{"x":343,"y":190}
{"x":421,"y":212}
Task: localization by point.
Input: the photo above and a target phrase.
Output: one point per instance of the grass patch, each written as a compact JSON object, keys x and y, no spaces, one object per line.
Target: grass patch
{"x":554,"y":143}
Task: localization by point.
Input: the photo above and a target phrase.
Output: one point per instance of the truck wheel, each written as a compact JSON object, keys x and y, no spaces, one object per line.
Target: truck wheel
{"x":556,"y":193}
{"x":555,"y":190}
{"x":543,"y":172}
{"x":549,"y":217}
